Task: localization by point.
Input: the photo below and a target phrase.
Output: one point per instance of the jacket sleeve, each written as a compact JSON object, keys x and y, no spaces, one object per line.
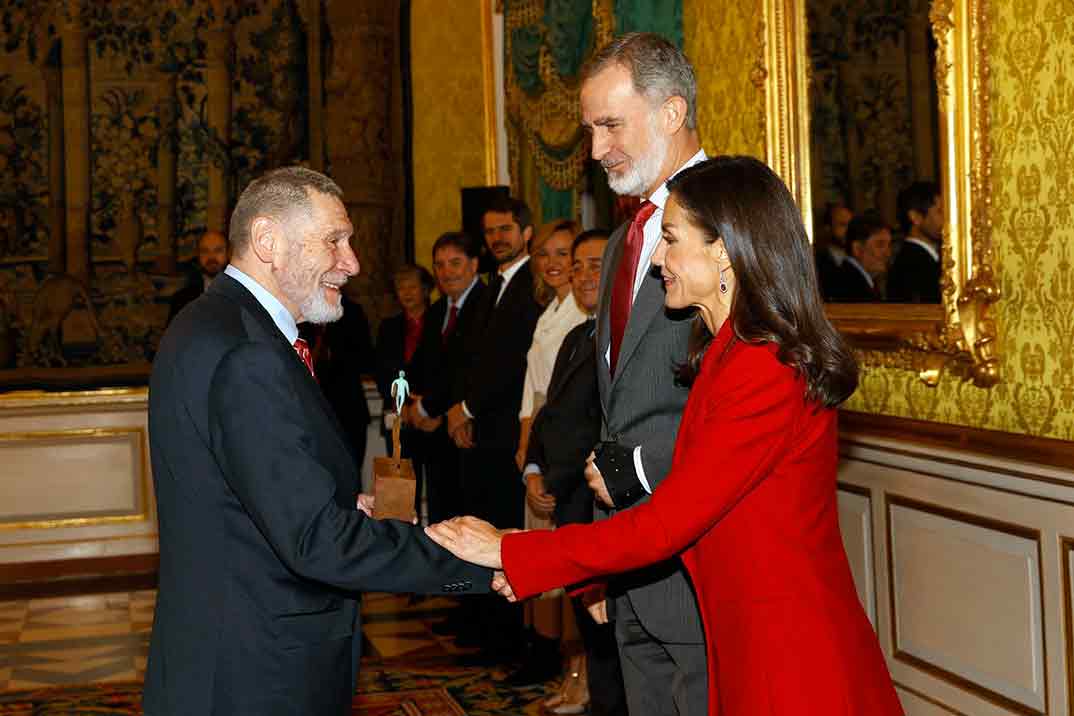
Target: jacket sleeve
{"x":746,"y":427}
{"x":266,"y":451}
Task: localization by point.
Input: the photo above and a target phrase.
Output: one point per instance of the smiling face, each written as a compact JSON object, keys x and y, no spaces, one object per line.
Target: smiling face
{"x":411,"y":294}
{"x":689,"y":264}
{"x":505,"y":238}
{"x":318,"y":260}
{"x":874,"y":253}
{"x":585,"y":273}
{"x":552,"y":261}
{"x":624,"y":129}
{"x":454,"y":270}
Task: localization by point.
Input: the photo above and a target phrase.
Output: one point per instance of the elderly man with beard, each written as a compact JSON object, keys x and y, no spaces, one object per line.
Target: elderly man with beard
{"x":639,"y":107}
{"x":264,"y":541}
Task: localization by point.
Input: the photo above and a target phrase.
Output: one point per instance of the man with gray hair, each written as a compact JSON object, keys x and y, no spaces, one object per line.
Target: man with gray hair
{"x":264,"y":540}
{"x":639,"y":108}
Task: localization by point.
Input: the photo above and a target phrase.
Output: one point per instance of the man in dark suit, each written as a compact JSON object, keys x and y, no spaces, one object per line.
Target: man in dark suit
{"x":564,"y":432}
{"x":869,"y":243}
{"x":211,"y":260}
{"x":642,"y":136}
{"x":830,"y":250}
{"x":484,"y":423}
{"x":440,"y":363}
{"x":262,"y":548}
{"x":915,"y":273}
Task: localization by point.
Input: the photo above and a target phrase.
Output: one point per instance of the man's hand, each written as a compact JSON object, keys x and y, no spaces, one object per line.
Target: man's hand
{"x":595,"y":600}
{"x":538,"y":499}
{"x":470,"y":539}
{"x":456,"y":418}
{"x":464,"y":436}
{"x":366,"y":503}
{"x":596,"y":482}
{"x":501,"y":586}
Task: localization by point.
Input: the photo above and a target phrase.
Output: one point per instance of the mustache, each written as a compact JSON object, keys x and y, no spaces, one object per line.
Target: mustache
{"x":335,"y":277}
{"x":501,"y":244}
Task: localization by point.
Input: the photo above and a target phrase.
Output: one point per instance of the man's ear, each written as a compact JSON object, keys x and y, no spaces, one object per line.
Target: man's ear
{"x":673,"y":114}
{"x":916,"y":217}
{"x":264,"y":233}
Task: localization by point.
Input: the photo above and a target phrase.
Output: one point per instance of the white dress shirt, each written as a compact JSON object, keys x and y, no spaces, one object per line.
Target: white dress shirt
{"x":280,"y":315}
{"x":651,"y":233}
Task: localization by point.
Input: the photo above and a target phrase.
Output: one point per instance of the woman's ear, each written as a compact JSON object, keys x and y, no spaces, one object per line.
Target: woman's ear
{"x":718,"y":251}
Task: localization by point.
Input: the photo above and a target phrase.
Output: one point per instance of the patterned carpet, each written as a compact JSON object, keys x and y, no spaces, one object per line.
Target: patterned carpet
{"x":434,"y":689}
{"x":86,"y":654}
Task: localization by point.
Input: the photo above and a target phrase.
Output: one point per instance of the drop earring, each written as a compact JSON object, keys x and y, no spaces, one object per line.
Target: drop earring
{"x":723,"y":283}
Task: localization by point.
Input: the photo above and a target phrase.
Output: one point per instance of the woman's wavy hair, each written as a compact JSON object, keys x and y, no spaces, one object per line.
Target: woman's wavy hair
{"x":740,"y":200}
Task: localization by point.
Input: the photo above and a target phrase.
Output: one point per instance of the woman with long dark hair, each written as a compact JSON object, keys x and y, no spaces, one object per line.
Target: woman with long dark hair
{"x":750,"y":502}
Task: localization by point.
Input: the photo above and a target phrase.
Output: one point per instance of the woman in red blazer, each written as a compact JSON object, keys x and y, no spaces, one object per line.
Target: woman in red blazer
{"x":750,"y":503}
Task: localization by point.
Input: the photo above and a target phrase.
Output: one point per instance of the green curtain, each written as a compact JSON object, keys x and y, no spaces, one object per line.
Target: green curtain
{"x":569,"y":33}
{"x":555,"y":204}
{"x":664,"y":17}
{"x":525,"y":56}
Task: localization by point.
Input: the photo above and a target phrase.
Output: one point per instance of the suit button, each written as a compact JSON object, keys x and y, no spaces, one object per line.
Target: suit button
{"x":467,"y":585}
{"x":445,"y":587}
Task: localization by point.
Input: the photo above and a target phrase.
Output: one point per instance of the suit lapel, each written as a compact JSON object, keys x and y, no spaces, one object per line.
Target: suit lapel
{"x":582,"y":351}
{"x":647,"y":305}
{"x":613,"y":254}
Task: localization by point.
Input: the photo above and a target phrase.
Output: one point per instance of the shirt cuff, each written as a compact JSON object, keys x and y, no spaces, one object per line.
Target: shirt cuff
{"x":530,"y":469}
{"x":466,"y":411}
{"x":640,"y":470}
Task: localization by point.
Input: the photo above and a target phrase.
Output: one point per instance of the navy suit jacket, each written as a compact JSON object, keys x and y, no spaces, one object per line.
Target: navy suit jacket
{"x":262,"y":552}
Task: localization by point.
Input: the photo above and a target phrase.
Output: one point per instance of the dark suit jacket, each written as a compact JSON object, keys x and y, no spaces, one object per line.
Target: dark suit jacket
{"x":262,"y":551}
{"x":852,"y":286}
{"x":914,"y":276}
{"x":643,"y":405}
{"x":565,"y":430}
{"x":496,"y":344}
{"x":187,"y":294}
{"x":827,"y":272}
{"x":441,"y":362}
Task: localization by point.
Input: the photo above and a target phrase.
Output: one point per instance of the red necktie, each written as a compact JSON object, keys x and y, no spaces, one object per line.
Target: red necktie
{"x":452,"y":319}
{"x":623,"y":288}
{"x":303,"y":350}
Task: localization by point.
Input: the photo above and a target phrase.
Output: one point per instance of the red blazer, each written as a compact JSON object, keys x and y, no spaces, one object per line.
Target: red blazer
{"x":750,"y":505}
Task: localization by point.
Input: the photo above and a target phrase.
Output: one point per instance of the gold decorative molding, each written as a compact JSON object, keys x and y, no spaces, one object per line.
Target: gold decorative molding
{"x":956,"y":337}
{"x":136,"y":436}
{"x":488,"y":63}
{"x":35,"y":399}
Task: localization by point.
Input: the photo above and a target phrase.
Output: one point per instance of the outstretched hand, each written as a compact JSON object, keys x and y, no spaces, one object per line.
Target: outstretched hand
{"x":470,"y":539}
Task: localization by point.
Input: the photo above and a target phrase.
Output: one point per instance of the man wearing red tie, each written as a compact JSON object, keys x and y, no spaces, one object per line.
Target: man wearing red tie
{"x":262,"y":548}
{"x":639,"y":107}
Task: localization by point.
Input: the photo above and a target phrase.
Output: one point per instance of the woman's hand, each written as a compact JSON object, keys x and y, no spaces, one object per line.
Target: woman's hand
{"x":470,"y":539}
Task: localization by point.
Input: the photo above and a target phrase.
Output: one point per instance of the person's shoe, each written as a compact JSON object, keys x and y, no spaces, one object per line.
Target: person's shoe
{"x":573,"y":698}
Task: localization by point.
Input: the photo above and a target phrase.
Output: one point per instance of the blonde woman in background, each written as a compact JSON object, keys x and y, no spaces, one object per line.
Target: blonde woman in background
{"x":550,"y":250}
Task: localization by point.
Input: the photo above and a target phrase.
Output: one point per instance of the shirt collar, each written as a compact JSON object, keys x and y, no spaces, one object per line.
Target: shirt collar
{"x":925,"y":245}
{"x":510,"y":273}
{"x":660,"y":196}
{"x":280,"y":315}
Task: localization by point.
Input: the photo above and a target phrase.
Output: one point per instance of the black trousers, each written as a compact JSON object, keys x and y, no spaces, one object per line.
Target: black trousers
{"x":444,"y":499}
{"x":492,"y":490}
{"x":605,"y":677}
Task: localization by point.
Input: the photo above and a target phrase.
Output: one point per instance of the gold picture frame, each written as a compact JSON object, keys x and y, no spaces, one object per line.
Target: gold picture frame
{"x":957,"y":336}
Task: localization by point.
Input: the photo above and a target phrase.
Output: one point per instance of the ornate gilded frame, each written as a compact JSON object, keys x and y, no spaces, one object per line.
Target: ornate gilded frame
{"x":959,"y":335}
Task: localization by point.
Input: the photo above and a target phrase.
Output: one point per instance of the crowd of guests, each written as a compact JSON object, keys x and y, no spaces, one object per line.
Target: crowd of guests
{"x":859,"y":261}
{"x":663,"y":396}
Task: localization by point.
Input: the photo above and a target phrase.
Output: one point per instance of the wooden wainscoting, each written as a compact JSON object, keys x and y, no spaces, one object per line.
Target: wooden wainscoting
{"x":961,"y":546}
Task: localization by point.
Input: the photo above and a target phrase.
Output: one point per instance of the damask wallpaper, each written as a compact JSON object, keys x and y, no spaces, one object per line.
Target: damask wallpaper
{"x":1030,"y":44}
{"x":722,"y":40}
{"x":449,"y":137}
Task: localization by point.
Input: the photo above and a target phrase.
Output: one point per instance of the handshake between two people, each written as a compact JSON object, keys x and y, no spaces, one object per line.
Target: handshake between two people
{"x":474,"y":540}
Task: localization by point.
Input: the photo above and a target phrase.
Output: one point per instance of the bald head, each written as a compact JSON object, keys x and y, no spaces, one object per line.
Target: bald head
{"x":212,"y":253}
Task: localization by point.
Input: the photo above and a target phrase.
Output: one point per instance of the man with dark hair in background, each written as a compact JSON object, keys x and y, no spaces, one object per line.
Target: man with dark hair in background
{"x":831,"y":248}
{"x":915,"y":273}
{"x":863,"y":270}
{"x":484,"y":421}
